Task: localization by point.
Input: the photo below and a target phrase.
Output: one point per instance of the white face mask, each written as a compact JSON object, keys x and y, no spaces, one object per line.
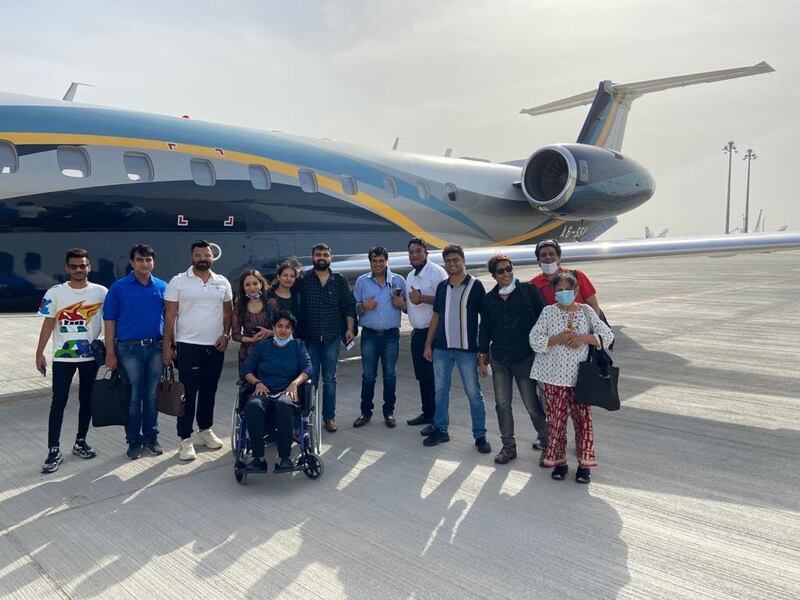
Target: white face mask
{"x":505,"y":291}
{"x":549,"y":268}
{"x":281,"y":343}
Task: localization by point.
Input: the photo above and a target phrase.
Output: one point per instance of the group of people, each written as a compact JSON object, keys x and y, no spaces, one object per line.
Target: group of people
{"x":533,"y":334}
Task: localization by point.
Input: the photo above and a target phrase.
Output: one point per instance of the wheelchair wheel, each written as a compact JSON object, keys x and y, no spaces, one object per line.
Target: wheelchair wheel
{"x":235,"y":422}
{"x":240,"y":474}
{"x":313,"y":466}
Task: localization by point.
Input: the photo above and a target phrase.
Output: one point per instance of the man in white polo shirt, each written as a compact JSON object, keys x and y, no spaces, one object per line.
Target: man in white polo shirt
{"x":421,"y":285}
{"x":198,"y":310}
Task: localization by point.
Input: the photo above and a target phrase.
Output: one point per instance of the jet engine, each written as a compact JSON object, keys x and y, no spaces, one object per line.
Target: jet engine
{"x":579,"y":181}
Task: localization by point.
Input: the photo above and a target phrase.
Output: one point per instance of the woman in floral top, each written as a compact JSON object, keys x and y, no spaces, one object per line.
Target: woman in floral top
{"x":252,"y":315}
{"x":561,"y":339}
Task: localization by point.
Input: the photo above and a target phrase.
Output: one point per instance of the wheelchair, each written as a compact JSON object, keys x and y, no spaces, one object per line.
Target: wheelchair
{"x":308,"y":415}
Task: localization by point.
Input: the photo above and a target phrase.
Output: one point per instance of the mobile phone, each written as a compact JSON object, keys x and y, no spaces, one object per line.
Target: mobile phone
{"x":398,"y":291}
{"x":351,"y":345}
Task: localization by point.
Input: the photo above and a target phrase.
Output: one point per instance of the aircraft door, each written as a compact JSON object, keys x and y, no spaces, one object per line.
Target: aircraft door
{"x":264,"y":254}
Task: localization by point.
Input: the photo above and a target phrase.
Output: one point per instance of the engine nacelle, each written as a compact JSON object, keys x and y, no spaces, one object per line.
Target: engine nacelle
{"x":578,"y":181}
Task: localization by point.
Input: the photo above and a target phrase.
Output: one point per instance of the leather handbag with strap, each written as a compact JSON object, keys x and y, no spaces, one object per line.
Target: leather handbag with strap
{"x":111,"y":397}
{"x":170,"y":397}
{"x":597,"y":376}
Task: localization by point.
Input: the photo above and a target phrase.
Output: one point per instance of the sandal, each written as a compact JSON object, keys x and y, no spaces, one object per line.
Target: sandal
{"x":583,"y":475}
{"x":560,"y":472}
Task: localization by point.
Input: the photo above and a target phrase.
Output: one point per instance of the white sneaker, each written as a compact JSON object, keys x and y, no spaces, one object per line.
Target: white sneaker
{"x":186,"y":450}
{"x":207,"y":438}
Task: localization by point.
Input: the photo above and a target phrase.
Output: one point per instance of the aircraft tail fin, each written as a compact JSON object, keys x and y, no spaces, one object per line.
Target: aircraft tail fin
{"x":605,"y":124}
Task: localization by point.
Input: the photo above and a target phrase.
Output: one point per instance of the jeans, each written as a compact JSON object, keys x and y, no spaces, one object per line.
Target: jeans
{"x":265,"y":414}
{"x":467,"y":363}
{"x":63,"y":372}
{"x":324,"y":356}
{"x":383,"y":345}
{"x":199,"y":368}
{"x":423,"y":371}
{"x":143,"y":366}
{"x":502,"y":377}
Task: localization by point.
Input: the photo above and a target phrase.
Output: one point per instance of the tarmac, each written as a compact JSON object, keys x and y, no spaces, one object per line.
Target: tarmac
{"x":696,"y":495}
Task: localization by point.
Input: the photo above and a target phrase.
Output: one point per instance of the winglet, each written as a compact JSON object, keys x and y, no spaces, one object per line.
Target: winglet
{"x":73,"y":87}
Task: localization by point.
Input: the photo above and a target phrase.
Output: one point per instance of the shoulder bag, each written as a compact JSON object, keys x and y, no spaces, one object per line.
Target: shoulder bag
{"x":597,"y":376}
{"x":111,"y":396}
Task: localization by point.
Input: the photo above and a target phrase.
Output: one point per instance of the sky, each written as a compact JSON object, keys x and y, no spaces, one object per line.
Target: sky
{"x":449,"y":74}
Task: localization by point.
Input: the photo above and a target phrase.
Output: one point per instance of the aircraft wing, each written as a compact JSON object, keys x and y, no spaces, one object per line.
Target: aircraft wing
{"x":476,"y":258}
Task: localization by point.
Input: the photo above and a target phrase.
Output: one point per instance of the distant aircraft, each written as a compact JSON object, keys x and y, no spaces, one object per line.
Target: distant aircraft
{"x":649,"y":234}
{"x":104,"y":179}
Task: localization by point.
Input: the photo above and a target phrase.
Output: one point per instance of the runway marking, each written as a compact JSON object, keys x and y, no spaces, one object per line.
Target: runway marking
{"x":440,"y":470}
{"x":465,"y":495}
{"x":515,"y":482}
{"x":369,"y":458}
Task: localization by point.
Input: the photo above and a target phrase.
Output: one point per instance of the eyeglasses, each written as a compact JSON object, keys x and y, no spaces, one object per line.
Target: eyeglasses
{"x":508,"y":269}
{"x":77,"y":267}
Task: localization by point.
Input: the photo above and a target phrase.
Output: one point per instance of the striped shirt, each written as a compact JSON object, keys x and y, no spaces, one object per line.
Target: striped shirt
{"x":458,"y":309}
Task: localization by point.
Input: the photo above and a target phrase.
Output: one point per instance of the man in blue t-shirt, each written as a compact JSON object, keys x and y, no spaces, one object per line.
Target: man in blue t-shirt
{"x":133,"y":314}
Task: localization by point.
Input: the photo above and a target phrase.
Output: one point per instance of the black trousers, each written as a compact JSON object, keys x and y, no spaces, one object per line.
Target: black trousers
{"x":423,"y":371}
{"x":199,"y":368}
{"x":63,"y":372}
{"x":265,"y":414}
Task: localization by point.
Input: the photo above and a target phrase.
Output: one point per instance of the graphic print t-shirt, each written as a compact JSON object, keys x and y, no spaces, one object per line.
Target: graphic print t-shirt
{"x":79,"y":320}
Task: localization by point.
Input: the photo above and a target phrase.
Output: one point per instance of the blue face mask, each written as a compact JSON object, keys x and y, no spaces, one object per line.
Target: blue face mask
{"x":565,"y":297}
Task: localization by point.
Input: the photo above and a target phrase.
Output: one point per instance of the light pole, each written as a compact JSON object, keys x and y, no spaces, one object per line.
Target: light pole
{"x":729,"y":149}
{"x":750,"y":156}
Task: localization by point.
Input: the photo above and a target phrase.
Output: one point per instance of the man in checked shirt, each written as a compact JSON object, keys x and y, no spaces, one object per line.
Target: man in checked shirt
{"x":329,"y":320}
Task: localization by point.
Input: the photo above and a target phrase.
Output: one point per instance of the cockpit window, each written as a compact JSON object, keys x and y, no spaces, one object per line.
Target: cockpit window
{"x":73,"y":161}
{"x":9,"y":161}
{"x":202,"y":172}
{"x":138,"y":166}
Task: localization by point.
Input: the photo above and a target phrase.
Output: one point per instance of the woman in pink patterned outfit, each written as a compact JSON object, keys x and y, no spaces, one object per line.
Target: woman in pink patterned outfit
{"x":560,"y":339}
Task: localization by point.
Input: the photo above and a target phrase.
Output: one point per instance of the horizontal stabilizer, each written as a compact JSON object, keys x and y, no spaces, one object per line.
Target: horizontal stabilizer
{"x":605,"y":123}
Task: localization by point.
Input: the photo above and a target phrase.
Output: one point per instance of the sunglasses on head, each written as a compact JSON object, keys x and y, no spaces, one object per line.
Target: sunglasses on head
{"x":507,"y":269}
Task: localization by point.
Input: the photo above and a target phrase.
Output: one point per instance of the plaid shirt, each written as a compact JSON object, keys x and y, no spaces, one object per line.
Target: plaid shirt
{"x":326,"y":308}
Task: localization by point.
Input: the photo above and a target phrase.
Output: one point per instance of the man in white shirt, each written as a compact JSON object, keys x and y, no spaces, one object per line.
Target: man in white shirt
{"x":198,"y":311}
{"x":421,"y":285}
{"x":72,"y":314}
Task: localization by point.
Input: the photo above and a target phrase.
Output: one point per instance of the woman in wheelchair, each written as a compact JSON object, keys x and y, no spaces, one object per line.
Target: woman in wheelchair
{"x":276,"y":367}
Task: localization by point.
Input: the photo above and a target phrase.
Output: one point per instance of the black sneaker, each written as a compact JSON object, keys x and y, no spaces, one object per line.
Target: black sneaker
{"x":153,"y":447}
{"x":134,"y":450}
{"x":54,"y":458}
{"x":437,"y":437}
{"x":483,"y":446}
{"x":427,"y":430}
{"x":257,"y":465}
{"x":82,"y":449}
{"x":420,"y":420}
{"x":284,"y":465}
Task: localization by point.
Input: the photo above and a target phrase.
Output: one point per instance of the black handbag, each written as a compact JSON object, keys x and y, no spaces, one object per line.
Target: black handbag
{"x":99,"y":351}
{"x":170,"y":395}
{"x":598,"y":378}
{"x":111,"y":396}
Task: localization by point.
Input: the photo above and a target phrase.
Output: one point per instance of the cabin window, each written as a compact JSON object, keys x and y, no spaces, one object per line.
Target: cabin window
{"x":452,"y":191}
{"x":73,"y":161}
{"x":390,"y":185}
{"x":349,"y":185}
{"x":202,"y":172}
{"x":308,"y":181}
{"x":423,"y":191}
{"x":259,"y":177}
{"x":138,"y":166}
{"x":9,"y":161}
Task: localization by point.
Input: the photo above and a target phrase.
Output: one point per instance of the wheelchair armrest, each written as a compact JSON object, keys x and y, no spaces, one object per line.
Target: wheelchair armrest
{"x":305,"y":393}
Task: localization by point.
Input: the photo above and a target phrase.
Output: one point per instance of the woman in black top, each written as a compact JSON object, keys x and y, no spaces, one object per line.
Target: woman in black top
{"x":283,"y":294}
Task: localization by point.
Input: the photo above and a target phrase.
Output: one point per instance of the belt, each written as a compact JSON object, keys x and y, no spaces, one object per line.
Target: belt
{"x":381,"y":331}
{"x":149,"y":342}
